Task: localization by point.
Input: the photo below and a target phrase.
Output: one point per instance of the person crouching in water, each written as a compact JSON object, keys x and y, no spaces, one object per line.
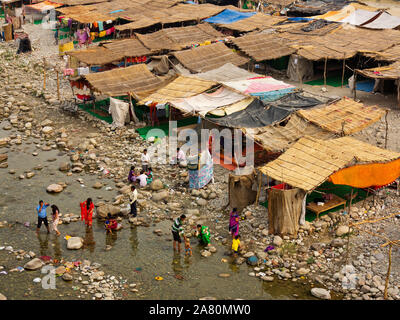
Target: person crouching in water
{"x":203,"y":234}
{"x":110,"y":224}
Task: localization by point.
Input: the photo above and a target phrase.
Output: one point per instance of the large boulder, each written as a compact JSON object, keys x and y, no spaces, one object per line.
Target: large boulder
{"x":156,"y":185}
{"x":34,"y":264}
{"x":4,"y":142}
{"x":277,"y":241}
{"x":2,"y":297}
{"x":74,"y":243}
{"x":125,"y":189}
{"x":321,"y":293}
{"x":103,"y":210}
{"x":54,"y":188}
{"x":342,"y":230}
{"x":64,"y":166}
{"x":47,"y":130}
{"x":3,"y":157}
{"x":159,"y":196}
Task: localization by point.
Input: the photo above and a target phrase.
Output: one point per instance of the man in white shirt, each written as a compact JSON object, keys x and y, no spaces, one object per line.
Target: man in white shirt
{"x":145,"y":160}
{"x":133,"y":197}
{"x":142,"y":179}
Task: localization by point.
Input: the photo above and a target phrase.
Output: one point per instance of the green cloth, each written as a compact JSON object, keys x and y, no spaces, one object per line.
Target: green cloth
{"x":204,"y":235}
{"x":335,"y":81}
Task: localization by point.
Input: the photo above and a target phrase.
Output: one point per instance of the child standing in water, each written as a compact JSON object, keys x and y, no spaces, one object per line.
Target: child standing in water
{"x":188,"y":248}
{"x":236,"y":245}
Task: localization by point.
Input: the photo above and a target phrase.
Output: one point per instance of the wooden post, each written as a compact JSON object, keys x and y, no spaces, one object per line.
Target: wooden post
{"x":351,"y":196}
{"x":344,"y":64}
{"x":326,"y":60}
{"x":388,"y":272}
{"x":58,"y":86}
{"x":297,"y":70}
{"x":387,"y":128}
{"x":398,"y":92}
{"x":259,"y":187}
{"x":355,"y":85}
{"x":125,"y":62}
{"x":44,"y":73}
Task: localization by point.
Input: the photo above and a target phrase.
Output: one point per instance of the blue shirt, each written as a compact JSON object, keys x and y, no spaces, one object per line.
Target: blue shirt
{"x":42,"y":213}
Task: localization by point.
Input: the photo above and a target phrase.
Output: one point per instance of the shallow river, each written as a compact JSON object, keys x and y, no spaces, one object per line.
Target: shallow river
{"x":132,"y":248}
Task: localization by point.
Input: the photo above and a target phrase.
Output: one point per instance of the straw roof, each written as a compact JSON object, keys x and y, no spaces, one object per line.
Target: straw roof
{"x":120,"y":81}
{"x":227,"y":72}
{"x":255,"y":45}
{"x":79,"y":2}
{"x":143,"y":22}
{"x":128,"y":47}
{"x":278,"y":138}
{"x":179,"y":38}
{"x":258,"y":21}
{"x":390,"y":72}
{"x":96,"y":55}
{"x":208,"y":57}
{"x":310,"y":161}
{"x":181,"y":87}
{"x":89,"y":17}
{"x":391,"y":54}
{"x":345,"y":114}
{"x":329,"y":42}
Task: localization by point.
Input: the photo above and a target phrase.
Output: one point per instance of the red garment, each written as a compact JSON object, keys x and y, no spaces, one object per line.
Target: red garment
{"x":85,"y":214}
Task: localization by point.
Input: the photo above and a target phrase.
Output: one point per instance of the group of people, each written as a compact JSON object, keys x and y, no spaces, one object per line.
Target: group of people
{"x":203,"y":234}
{"x":42,"y":217}
{"x":146,"y":174}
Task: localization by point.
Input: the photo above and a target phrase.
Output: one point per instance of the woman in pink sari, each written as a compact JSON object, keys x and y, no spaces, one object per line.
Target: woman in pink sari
{"x":234,"y":223}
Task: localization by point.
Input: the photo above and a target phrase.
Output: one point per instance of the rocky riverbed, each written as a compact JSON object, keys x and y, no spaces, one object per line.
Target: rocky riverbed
{"x":61,"y":157}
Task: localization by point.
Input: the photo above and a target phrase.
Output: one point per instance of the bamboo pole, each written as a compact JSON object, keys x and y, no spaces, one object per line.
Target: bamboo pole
{"x":388,"y":272}
{"x":326,"y":60}
{"x":44,"y":73}
{"x":259,"y":187}
{"x":387,"y":129}
{"x":58,"y":86}
{"x":344,"y":64}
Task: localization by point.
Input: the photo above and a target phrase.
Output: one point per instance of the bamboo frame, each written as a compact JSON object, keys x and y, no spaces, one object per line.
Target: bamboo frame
{"x":326,"y":61}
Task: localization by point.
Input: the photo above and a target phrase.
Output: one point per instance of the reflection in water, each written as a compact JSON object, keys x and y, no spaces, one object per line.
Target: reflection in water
{"x":57,"y":248}
{"x":111,"y":238}
{"x":88,"y":241}
{"x":176,"y":264}
{"x":43,"y":243}
{"x":134,"y":241}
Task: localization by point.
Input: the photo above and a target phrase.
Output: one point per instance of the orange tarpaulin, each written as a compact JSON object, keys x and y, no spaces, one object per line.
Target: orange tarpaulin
{"x":45,"y":5}
{"x":368,"y":175}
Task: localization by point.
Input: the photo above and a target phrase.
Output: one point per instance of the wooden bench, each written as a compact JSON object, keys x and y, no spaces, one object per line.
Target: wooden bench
{"x":335,"y":202}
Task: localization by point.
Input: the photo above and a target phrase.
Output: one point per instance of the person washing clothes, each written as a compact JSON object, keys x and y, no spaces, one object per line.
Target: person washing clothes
{"x":203,"y":234}
{"x":149,"y":175}
{"x":132,"y":174}
{"x":142,"y":178}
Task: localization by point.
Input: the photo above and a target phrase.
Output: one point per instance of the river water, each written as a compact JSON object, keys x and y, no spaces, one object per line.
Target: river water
{"x":137,"y":254}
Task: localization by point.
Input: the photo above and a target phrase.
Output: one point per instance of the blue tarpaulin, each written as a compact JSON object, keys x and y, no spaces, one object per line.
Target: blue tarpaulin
{"x":229,"y":16}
